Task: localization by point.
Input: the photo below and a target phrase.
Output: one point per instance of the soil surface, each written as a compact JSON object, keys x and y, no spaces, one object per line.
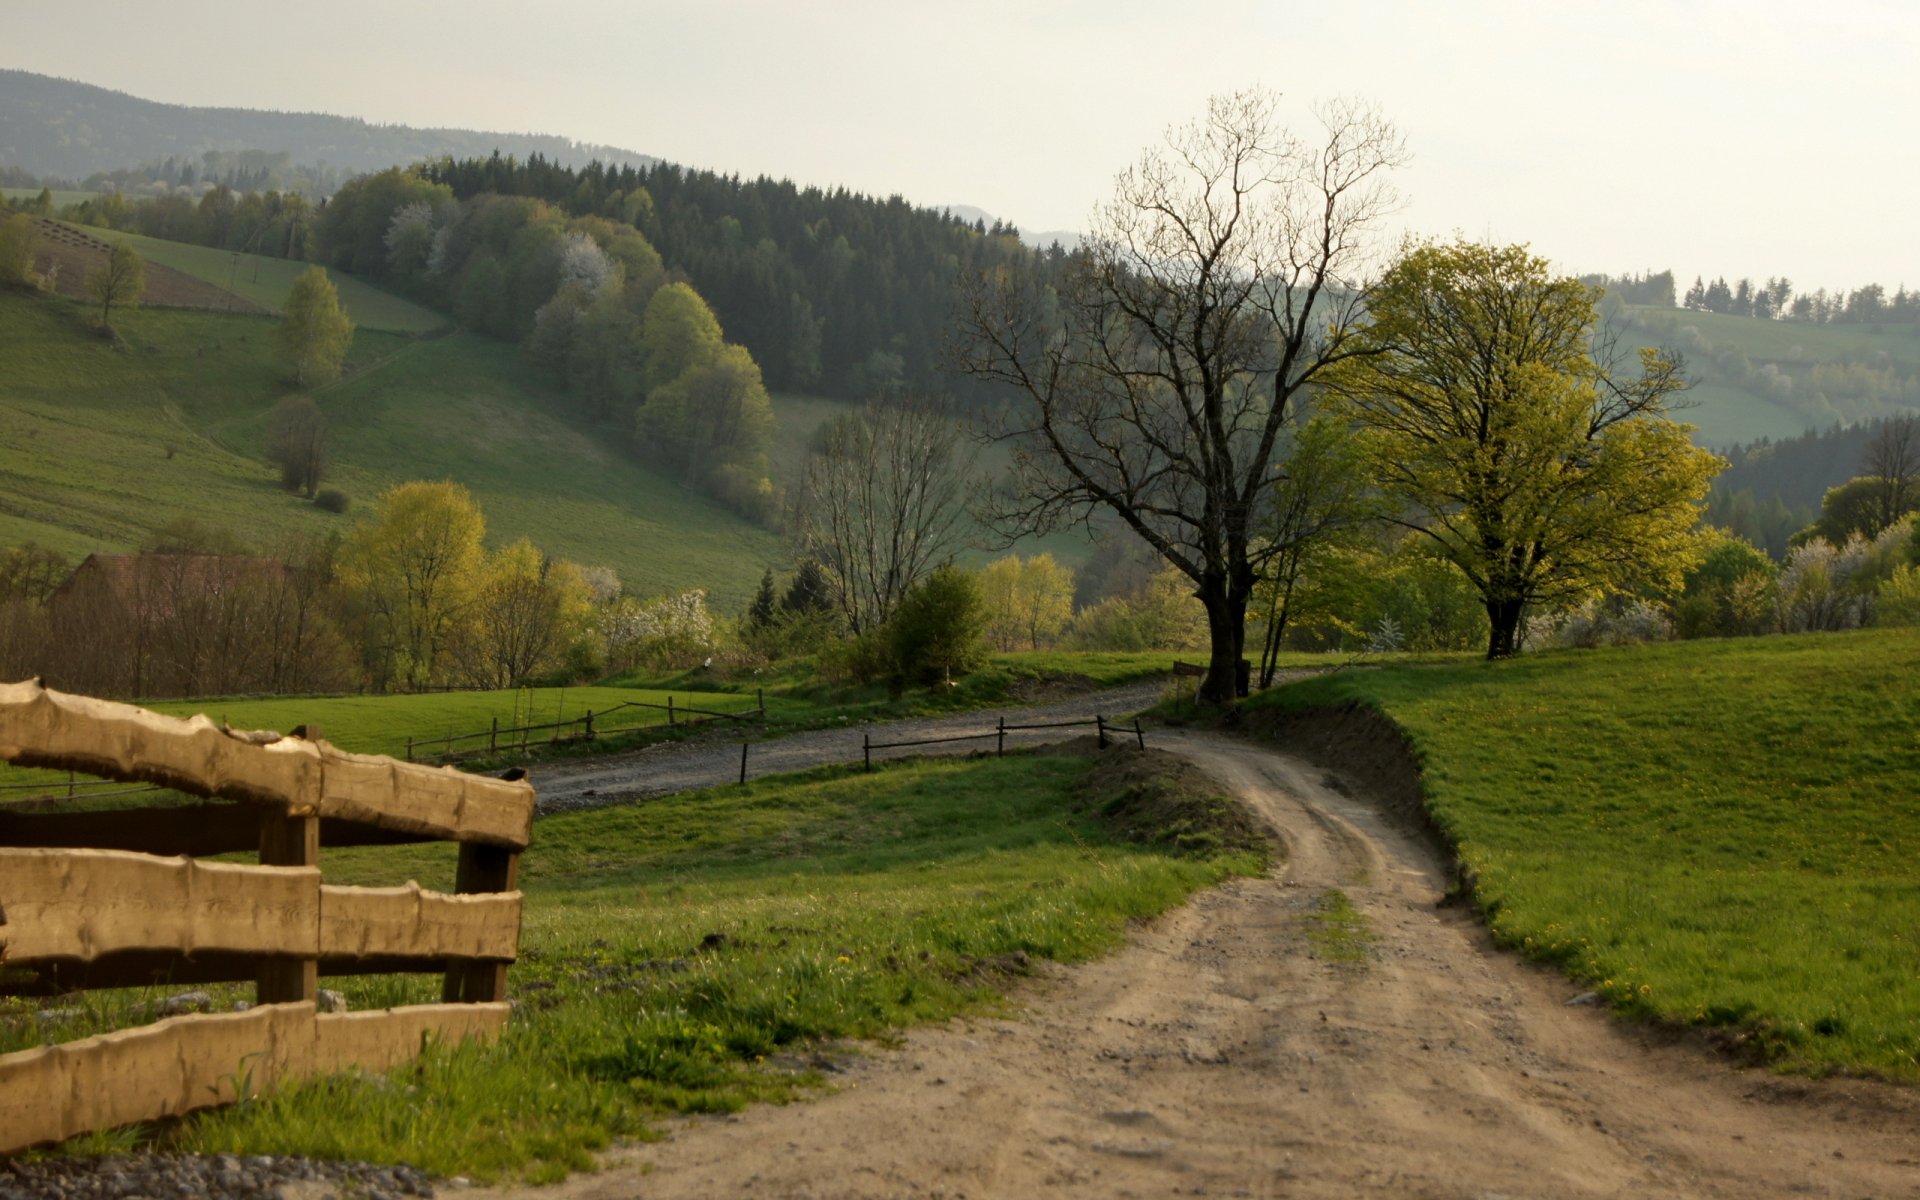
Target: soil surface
{"x":1226,"y":1051}
{"x":714,"y":759}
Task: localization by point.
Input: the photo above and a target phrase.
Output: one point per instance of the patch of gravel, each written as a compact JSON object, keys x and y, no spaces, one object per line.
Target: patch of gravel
{"x":215,"y":1176}
{"x":663,"y":769}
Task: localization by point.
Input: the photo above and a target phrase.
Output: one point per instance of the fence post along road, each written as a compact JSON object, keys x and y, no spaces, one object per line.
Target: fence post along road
{"x":125,"y":898}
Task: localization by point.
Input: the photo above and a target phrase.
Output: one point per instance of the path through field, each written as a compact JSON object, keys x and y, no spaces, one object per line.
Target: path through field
{"x":1225,"y":1052}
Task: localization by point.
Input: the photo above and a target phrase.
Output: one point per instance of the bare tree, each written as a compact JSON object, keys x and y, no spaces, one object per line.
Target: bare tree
{"x":297,"y":444}
{"x":1224,"y":276}
{"x":880,"y":503}
{"x":1893,"y":458}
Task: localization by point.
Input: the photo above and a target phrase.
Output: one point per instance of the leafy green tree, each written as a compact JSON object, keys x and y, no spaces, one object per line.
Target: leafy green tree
{"x":527,"y":611}
{"x":1535,"y":469}
{"x":939,"y":630}
{"x":1029,"y":601}
{"x":16,"y":250}
{"x":714,"y":413}
{"x":314,"y":332}
{"x":411,"y":571}
{"x":678,"y":332}
{"x":120,"y":280}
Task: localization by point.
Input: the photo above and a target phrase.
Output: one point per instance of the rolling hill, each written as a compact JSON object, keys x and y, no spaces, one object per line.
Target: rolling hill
{"x":64,"y":128}
{"x":103,"y":443}
{"x":1756,"y":378}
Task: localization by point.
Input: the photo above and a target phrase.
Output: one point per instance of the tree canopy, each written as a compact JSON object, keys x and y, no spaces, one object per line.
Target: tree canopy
{"x":314,"y":332}
{"x":1538,"y":469}
{"x":1223,"y":279}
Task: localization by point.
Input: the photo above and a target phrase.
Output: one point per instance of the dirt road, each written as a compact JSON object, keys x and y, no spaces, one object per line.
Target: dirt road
{"x":1225,"y":1053}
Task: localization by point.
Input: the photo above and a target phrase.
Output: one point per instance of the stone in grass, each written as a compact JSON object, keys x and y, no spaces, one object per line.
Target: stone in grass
{"x":330,"y":1001}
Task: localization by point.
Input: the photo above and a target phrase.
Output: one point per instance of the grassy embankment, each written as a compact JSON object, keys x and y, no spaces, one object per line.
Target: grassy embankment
{"x":686,"y":954}
{"x":1721,"y":835}
{"x":100,"y":445}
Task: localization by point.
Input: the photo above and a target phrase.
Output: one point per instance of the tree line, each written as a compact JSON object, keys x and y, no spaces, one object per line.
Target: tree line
{"x":833,"y":291}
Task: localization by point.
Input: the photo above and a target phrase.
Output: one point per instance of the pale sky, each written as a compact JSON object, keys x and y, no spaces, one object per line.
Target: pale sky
{"x":1735,"y":137}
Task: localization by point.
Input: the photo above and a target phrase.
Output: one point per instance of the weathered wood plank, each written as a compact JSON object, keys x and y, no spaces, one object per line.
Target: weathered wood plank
{"x":165,"y":969}
{"x":161,"y":1070}
{"x":85,"y":903}
{"x":41,"y":727}
{"x":382,"y":1039}
{"x":183,"y":1063}
{"x":361,"y":922}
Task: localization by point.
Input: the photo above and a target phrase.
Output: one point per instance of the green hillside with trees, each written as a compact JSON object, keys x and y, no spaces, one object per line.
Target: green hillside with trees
{"x":105,"y":445}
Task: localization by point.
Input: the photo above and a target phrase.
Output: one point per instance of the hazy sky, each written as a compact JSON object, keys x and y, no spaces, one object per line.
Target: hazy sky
{"x":1736,"y":137}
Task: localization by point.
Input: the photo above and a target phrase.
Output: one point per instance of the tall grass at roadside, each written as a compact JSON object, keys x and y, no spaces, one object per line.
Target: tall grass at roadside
{"x":688,"y":953}
{"x":1723,"y":834}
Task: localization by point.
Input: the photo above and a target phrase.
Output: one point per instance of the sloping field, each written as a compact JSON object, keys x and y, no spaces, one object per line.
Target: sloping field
{"x":67,"y":254}
{"x":101,"y":445}
{"x":1722,"y":834}
{"x":265,"y":282}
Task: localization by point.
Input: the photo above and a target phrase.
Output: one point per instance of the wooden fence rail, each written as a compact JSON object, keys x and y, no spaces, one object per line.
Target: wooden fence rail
{"x":124,"y":898}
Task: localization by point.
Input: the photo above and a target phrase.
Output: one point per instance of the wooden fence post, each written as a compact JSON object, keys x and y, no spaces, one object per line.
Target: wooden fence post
{"x":589,"y":721}
{"x":287,"y":841}
{"x":743,"y":762}
{"x":866,"y":750}
{"x":493,"y":736}
{"x":1100,"y":723}
{"x":669,"y":710}
{"x":1139,"y":734}
{"x":1000,"y":747}
{"x":482,"y":868}
{"x":761,"y":694}
{"x":409,"y":747}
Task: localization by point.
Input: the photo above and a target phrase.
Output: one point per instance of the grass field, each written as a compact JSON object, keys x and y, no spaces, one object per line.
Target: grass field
{"x":1714,"y":834}
{"x":61,"y":197}
{"x":100,"y":445}
{"x":680,"y":956}
{"x":383,"y":724}
{"x":266,"y":281}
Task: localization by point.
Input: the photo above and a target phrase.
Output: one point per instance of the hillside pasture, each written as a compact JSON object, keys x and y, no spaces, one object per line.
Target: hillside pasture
{"x":1720,"y":835}
{"x":101,"y":444}
{"x":264,"y":282}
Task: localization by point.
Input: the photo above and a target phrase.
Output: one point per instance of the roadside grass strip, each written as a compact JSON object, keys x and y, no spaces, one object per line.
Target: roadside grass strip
{"x":1716,"y":834}
{"x":692,"y":954}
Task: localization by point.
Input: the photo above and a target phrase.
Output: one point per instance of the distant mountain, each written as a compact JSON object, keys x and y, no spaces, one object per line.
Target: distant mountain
{"x":1068,"y":240}
{"x":59,"y":128}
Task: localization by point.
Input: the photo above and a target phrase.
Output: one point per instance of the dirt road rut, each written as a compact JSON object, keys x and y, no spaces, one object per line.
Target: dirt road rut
{"x":1226,"y":1052}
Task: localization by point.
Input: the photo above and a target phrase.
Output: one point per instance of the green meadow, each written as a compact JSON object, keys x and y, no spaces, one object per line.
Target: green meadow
{"x":1715,"y":834}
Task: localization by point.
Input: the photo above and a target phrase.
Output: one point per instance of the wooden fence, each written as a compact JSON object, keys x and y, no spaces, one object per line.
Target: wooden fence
{"x":499,"y":739}
{"x":122,"y":898}
{"x":1106,"y":730}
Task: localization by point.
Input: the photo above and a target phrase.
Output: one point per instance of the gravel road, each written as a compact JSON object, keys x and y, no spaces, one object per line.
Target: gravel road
{"x":677,"y":767}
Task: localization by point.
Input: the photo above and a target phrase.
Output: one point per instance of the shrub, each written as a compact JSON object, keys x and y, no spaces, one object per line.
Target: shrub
{"x":331,"y":500}
{"x":939,"y":630}
{"x":1899,"y":599}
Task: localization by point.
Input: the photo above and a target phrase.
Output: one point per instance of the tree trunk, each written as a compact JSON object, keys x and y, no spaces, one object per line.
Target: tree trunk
{"x":1226,"y":679}
{"x":1504,"y":617}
